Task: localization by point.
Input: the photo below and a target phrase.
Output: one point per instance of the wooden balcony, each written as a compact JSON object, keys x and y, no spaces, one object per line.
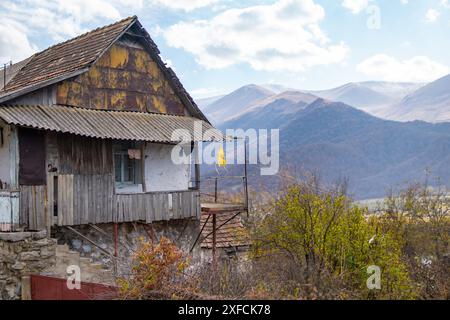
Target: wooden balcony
{"x":82,"y":199}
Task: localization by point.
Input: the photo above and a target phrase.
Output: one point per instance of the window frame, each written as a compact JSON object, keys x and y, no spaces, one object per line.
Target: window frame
{"x":120,"y":149}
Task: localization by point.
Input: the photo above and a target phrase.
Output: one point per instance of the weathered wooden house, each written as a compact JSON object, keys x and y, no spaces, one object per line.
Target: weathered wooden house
{"x":86,"y":134}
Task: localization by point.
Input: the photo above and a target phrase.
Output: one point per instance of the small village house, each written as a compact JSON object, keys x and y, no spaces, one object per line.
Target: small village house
{"x":86,"y":131}
{"x":86,"y":169}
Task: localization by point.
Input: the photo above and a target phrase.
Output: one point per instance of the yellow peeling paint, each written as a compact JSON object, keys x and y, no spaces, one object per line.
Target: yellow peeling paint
{"x":156,"y":84}
{"x":141,"y":60}
{"x":63,"y":90}
{"x":153,"y":70}
{"x":118,"y":56}
{"x":118,"y":99}
{"x":94,"y":77}
{"x":123,"y":78}
{"x":159,"y":104}
{"x":141,"y":102}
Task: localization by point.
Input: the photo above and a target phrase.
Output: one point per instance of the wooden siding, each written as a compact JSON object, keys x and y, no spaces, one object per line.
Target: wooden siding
{"x":33,"y":207}
{"x":81,"y":155}
{"x":124,"y":78}
{"x":86,"y":199}
{"x":45,"y":96}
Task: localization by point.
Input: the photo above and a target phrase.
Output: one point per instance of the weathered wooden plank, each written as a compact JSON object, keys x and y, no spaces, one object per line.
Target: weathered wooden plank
{"x":84,"y":193}
{"x":60,"y":220}
{"x":70,"y":199}
{"x":32,"y":206}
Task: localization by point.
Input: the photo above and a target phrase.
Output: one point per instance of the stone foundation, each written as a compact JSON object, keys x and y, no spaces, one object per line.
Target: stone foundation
{"x":182,"y":232}
{"x":21,"y":254}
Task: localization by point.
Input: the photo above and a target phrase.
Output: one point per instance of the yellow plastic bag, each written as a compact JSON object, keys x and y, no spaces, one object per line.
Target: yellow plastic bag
{"x":221,"y":161}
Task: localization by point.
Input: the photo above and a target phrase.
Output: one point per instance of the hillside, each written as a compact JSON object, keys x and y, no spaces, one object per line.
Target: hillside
{"x":233,"y":103}
{"x":378,"y":98}
{"x":339,"y":141}
{"x":374,"y":97}
{"x":429,"y":103}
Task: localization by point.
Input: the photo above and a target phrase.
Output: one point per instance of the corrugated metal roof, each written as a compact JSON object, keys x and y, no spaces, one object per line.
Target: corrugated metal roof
{"x":105,"y":124}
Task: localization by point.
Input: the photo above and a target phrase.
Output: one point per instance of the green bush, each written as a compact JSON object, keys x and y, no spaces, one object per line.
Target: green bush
{"x":331,"y":242}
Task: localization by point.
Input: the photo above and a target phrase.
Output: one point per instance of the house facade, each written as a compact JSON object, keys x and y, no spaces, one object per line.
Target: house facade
{"x":86,"y":135}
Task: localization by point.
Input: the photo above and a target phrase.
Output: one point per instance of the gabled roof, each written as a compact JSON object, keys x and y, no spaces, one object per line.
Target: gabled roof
{"x":75,"y":56}
{"x":11,"y":71}
{"x":63,"y":59}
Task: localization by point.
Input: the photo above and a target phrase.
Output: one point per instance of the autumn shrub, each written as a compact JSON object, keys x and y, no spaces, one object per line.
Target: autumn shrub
{"x":157,"y":272}
{"x":321,"y":244}
{"x":314,"y":242}
{"x":419,"y":217}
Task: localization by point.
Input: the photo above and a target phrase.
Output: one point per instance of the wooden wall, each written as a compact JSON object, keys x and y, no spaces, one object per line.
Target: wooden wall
{"x":33,"y":207}
{"x":90,"y":199}
{"x":45,"y":96}
{"x":124,"y":78}
{"x":81,"y":155}
{"x":83,"y":187}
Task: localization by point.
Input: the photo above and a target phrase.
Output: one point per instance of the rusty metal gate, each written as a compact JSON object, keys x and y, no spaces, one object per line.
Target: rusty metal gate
{"x":50,"y":288}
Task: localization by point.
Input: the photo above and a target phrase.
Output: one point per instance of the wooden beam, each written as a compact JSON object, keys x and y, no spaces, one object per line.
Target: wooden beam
{"x":26,"y":288}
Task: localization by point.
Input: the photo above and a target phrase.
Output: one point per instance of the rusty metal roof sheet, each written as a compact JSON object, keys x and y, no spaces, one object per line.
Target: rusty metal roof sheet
{"x":231,"y":234}
{"x":106,"y":124}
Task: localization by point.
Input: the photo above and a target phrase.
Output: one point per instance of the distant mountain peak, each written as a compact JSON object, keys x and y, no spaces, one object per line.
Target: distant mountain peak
{"x":429,"y":103}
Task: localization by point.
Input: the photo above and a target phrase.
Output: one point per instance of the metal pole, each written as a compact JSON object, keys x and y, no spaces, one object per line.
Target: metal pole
{"x":4,"y":76}
{"x":215,"y":190}
{"x":214,"y":241}
{"x":116,"y":233}
{"x":245,"y":176}
{"x":197,"y":165}
{"x":199,"y":235}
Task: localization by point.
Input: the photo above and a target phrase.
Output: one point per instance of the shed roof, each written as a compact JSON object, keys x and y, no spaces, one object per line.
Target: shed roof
{"x":231,"y":234}
{"x":107,"y":124}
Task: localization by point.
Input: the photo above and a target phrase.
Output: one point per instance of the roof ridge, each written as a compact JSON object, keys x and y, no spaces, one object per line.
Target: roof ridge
{"x":86,"y":34}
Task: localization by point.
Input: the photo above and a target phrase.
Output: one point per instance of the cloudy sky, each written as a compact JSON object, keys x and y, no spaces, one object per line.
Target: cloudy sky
{"x":216,"y":46}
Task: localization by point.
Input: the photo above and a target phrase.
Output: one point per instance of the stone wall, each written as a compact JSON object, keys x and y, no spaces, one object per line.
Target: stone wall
{"x":23,"y":253}
{"x":182,"y":232}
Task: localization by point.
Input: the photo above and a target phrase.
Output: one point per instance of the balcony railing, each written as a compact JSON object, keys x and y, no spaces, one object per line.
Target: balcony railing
{"x":9,"y":210}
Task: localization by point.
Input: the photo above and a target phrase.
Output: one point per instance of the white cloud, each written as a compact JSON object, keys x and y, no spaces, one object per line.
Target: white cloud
{"x":186,"y":5}
{"x":355,"y":6}
{"x":404,"y":1}
{"x":14,"y":44}
{"x":432,"y":15}
{"x":24,"y":20}
{"x":60,"y":18}
{"x":63,"y":19}
{"x":284,"y":36}
{"x":415,"y":69}
{"x":201,"y":93}
{"x":445,"y":4}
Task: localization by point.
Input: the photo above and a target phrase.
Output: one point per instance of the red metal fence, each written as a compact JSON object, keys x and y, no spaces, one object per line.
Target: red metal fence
{"x":49,"y":288}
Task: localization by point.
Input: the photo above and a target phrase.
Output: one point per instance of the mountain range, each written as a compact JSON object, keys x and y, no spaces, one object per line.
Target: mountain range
{"x":339,"y":141}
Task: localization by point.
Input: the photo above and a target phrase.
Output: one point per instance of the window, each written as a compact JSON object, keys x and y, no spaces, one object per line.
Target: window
{"x":128,"y":164}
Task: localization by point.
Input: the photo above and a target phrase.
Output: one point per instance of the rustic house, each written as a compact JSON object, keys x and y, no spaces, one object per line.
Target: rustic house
{"x":86,"y":135}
